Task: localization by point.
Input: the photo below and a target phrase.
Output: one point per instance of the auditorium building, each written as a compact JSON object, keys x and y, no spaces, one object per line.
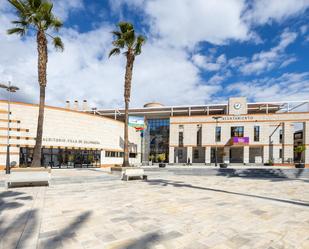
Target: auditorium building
{"x":234,"y":132}
{"x":71,"y":137}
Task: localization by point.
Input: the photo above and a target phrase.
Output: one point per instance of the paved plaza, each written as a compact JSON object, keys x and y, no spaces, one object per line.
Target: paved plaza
{"x":166,"y":212}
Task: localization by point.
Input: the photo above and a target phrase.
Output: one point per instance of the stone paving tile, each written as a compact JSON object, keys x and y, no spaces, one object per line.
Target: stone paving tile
{"x":185,"y":212}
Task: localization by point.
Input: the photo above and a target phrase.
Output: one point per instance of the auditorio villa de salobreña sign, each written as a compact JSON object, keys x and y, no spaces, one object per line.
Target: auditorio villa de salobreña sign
{"x":75,"y":141}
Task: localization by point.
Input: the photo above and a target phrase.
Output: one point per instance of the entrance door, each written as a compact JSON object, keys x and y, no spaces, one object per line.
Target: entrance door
{"x":237,"y":155}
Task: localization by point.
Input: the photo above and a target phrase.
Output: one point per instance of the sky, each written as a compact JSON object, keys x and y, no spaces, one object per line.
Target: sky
{"x":197,"y":52}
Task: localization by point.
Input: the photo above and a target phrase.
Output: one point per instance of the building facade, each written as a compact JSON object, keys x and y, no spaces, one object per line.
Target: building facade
{"x":71,"y":138}
{"x":236,"y":132}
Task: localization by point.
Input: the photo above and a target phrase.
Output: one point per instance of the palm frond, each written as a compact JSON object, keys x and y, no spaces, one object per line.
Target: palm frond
{"x":58,"y":43}
{"x":114,"y":51}
{"x":119,"y":43}
{"x":21,"y":24}
{"x":140,"y":41}
{"x":125,"y":26}
{"x":129,"y":37}
{"x":35,"y":4}
{"x":20,"y":6}
{"x":117,"y":34}
{"x":46,"y":7}
{"x":19,"y":31}
{"x":56,"y":23}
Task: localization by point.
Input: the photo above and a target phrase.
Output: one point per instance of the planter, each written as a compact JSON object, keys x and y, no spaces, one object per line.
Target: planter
{"x":31,"y":169}
{"x":223,"y":165}
{"x":119,"y":168}
{"x":162,"y":165}
{"x":299,"y":165}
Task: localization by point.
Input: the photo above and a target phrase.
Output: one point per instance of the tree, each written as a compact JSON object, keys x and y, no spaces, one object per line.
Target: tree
{"x":37,"y":16}
{"x":125,"y":39}
{"x":299,"y":150}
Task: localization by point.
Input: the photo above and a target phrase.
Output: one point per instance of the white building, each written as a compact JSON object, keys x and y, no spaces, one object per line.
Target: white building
{"x":70,"y":137}
{"x":234,"y":132}
{"x":240,"y":132}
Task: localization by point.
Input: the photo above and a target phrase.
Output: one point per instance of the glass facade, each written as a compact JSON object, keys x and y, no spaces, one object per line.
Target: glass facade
{"x":158,"y":131}
{"x":237,"y":131}
{"x":218,"y":134}
{"x":199,"y":135}
{"x":256,"y":133}
{"x":55,"y":157}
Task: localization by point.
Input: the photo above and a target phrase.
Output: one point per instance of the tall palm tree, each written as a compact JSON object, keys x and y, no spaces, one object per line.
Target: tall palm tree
{"x":37,"y":16}
{"x":125,"y":39}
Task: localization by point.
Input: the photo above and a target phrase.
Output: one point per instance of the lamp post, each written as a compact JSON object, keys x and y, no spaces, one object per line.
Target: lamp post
{"x":216,"y":150}
{"x":11,"y":89}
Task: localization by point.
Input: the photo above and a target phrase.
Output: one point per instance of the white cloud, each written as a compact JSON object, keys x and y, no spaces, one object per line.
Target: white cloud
{"x":265,"y":11}
{"x":187,"y":22}
{"x":84,"y":71}
{"x":209,"y":63}
{"x":289,"y":86}
{"x":267,"y":60}
{"x":63,"y":8}
{"x":165,"y":70}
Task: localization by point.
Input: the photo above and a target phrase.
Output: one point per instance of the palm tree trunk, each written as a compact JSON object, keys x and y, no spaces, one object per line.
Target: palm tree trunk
{"x":126,"y":136}
{"x":127,"y":94}
{"x":42,"y":64}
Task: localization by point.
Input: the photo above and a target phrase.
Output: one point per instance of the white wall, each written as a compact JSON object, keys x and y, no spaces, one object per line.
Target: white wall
{"x":79,"y":130}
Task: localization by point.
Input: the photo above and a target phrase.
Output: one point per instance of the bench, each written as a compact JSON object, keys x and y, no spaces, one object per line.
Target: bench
{"x":133,"y":173}
{"x":27,"y":178}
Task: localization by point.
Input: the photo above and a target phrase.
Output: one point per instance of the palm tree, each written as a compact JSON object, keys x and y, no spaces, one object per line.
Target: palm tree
{"x":125,"y":39}
{"x":37,"y":16}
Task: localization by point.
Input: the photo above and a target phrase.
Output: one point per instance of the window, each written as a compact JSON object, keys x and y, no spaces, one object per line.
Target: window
{"x":199,"y":135}
{"x":180,"y":154}
{"x":237,"y":131}
{"x":196,"y":154}
{"x":180,"y":135}
{"x":256,"y":133}
{"x":117,"y":154}
{"x":280,"y":136}
{"x":157,"y":139}
{"x":62,"y":157}
{"x":218,"y":134}
{"x":132,"y":155}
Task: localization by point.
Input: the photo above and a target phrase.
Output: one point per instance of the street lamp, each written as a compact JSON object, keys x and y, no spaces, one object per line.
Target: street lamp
{"x":216,"y":151}
{"x":11,"y":89}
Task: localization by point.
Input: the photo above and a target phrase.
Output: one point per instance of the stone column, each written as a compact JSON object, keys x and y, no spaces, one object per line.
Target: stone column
{"x":276,"y":154}
{"x":287,"y":142}
{"x":266,"y":154}
{"x":306,"y":142}
{"x":226,"y":156}
{"x":171,"y":156}
{"x":189,"y":154}
{"x":102,"y":157}
{"x":246,"y":154}
{"x":207,"y":154}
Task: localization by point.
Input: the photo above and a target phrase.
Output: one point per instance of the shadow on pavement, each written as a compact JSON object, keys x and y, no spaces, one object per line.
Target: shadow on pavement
{"x":145,"y":241}
{"x":8,"y":200}
{"x":66,"y":233}
{"x":262,"y":174}
{"x":13,"y":235}
{"x":184,"y":185}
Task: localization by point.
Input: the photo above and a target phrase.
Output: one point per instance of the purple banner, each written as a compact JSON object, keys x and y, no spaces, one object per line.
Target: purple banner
{"x":240,"y":140}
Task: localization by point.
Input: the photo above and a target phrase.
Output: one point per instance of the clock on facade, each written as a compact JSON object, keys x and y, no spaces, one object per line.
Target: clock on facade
{"x":237,"y":106}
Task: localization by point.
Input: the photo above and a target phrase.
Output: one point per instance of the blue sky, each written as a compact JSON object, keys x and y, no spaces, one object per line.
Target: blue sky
{"x":198,"y":52}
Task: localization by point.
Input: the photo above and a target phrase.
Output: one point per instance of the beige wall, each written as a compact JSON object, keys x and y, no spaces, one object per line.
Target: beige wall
{"x":270,"y":126}
{"x":79,"y":130}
